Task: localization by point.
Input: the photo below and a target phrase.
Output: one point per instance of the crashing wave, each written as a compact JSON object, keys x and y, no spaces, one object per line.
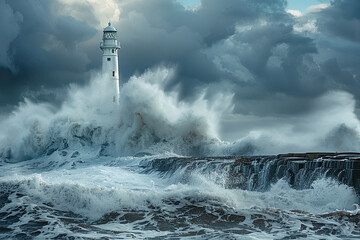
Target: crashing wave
{"x":146,"y":120}
{"x":150,"y":120}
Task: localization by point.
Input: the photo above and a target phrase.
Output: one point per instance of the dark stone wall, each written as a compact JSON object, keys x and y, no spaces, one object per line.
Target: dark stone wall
{"x":259,"y":172}
{"x":344,"y":166}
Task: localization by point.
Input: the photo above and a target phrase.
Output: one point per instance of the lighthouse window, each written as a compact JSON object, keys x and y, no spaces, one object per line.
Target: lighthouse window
{"x":109,"y":59}
{"x":112,"y":50}
{"x":113,"y":73}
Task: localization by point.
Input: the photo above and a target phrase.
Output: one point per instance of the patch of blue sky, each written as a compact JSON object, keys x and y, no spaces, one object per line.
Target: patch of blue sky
{"x":188,"y":3}
{"x":302,"y":5}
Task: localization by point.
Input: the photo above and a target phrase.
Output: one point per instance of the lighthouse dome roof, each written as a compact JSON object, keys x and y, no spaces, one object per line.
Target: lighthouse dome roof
{"x":109,"y":28}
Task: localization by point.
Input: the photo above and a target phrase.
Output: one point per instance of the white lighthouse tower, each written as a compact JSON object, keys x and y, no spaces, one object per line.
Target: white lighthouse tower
{"x":110,"y":67}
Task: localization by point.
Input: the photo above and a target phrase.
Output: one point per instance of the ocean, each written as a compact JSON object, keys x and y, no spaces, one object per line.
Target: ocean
{"x":166,"y":197}
{"x":155,"y":168}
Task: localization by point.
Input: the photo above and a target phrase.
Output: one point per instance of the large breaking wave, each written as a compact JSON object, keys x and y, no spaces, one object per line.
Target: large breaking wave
{"x":147,"y":120}
{"x":150,"y":120}
{"x":88,"y":173}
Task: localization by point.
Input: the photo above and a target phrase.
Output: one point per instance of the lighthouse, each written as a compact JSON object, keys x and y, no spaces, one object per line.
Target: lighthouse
{"x":110,"y":67}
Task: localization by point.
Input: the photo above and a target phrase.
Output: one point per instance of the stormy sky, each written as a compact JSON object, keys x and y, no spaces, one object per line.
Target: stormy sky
{"x":275,"y":60}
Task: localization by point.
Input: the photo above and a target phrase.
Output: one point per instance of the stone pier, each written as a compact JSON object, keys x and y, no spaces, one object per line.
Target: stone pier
{"x":344,"y":166}
{"x":259,"y":172}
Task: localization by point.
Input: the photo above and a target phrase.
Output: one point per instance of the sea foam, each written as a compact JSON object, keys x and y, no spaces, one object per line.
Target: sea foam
{"x":154,"y":121}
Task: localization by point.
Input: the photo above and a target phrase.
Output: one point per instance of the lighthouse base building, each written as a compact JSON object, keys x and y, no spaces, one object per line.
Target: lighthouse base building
{"x":110,"y":66}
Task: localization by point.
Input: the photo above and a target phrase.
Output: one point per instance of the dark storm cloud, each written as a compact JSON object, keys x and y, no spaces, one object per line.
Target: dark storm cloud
{"x":283,"y":70}
{"x":164,"y":32}
{"x":342,"y":18}
{"x":340,"y":26}
{"x":248,"y":47}
{"x":9,"y":24}
{"x":276,"y":65}
{"x":43,"y":52}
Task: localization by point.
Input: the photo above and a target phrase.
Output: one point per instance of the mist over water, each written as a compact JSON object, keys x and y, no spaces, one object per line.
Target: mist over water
{"x":154,"y":121}
{"x":87,"y":166}
{"x":146,"y":120}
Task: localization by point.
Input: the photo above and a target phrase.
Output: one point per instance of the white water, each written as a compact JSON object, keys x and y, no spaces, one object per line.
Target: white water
{"x":95,"y":190}
{"x":152,"y":120}
{"x":79,"y":158}
{"x":96,"y":187}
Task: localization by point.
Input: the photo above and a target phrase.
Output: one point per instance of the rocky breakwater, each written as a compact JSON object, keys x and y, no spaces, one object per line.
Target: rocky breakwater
{"x":344,"y":167}
{"x":300,"y":170}
{"x":257,"y":173}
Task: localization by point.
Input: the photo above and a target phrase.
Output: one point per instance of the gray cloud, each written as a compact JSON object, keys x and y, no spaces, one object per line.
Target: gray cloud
{"x":43,"y":52}
{"x":9,"y":24}
{"x":248,"y":47}
{"x":342,"y":19}
{"x":164,"y":32}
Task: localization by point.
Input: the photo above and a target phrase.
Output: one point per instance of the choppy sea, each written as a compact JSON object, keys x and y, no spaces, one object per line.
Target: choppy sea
{"x":93,"y":170}
{"x":63,"y":196}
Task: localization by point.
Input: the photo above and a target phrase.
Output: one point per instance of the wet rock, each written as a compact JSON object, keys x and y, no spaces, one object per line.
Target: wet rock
{"x":259,"y":172}
{"x":236,"y":218}
{"x":50,"y":151}
{"x":63,"y":153}
{"x":75,"y":154}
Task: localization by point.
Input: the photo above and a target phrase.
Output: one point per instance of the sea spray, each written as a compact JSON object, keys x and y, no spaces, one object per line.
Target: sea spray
{"x":150,"y":120}
{"x":95,"y":196}
{"x":93,"y":199}
{"x":147,"y":119}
